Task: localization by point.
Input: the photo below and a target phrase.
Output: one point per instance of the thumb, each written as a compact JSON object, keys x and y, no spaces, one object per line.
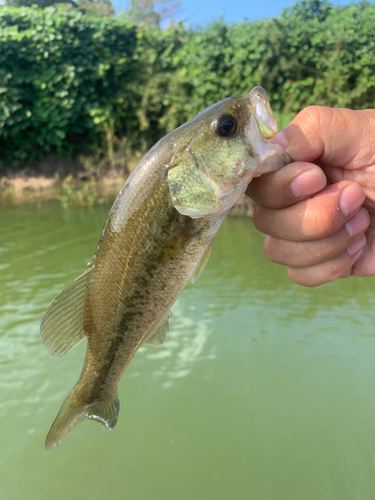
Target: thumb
{"x":328,"y":136}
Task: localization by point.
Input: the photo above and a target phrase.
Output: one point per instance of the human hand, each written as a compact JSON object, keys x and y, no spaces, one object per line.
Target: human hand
{"x":320,"y":217}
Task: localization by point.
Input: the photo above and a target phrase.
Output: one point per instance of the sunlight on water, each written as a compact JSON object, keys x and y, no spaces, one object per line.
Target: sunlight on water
{"x":262,"y":390}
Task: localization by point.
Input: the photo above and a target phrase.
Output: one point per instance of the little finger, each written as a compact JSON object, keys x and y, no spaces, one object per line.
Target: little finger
{"x":328,"y":271}
{"x":309,"y":253}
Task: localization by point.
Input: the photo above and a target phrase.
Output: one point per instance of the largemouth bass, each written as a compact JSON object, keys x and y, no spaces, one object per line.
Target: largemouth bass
{"x":158,"y":236}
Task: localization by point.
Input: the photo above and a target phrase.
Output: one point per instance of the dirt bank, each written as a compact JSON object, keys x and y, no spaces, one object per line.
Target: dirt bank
{"x":81,"y":190}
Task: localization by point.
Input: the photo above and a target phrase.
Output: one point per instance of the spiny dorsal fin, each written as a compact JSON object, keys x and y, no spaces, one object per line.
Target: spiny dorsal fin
{"x":202,"y":263}
{"x":158,"y":337}
{"x":62,"y":325}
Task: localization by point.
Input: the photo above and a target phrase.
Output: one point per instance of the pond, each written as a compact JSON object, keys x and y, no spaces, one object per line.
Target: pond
{"x":263,"y":390}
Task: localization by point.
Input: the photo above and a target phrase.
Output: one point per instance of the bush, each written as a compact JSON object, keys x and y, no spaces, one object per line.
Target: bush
{"x":62,"y":76}
{"x":66,"y":78}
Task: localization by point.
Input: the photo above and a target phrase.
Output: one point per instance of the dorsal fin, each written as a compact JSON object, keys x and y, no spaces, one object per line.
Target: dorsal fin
{"x":62,"y":325}
{"x":202,"y":263}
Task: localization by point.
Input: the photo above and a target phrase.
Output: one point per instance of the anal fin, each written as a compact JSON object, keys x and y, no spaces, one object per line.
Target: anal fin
{"x":62,"y":325}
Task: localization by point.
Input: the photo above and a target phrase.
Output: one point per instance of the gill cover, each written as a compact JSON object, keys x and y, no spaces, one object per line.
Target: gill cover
{"x":193,"y":193}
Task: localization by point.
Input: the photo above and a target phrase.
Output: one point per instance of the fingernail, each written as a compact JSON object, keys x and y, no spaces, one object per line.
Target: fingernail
{"x":357,"y":245}
{"x":280,"y":139}
{"x":351,"y":198}
{"x":308,"y":183}
{"x":358,"y":223}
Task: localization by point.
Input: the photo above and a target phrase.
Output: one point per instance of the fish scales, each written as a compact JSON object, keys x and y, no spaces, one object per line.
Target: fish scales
{"x":127,"y":307}
{"x":157,"y":236}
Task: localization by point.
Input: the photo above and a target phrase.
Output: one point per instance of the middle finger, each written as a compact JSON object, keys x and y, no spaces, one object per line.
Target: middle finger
{"x":313,"y":218}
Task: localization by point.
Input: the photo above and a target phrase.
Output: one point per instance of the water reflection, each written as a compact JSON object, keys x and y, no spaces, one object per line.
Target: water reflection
{"x":263,"y":389}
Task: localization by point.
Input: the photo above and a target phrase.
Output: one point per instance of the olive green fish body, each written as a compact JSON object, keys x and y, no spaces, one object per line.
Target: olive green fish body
{"x":138,"y":273}
{"x":157,"y":236}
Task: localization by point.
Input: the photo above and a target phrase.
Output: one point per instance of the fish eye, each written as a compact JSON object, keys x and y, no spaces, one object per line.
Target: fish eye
{"x":226,"y":126}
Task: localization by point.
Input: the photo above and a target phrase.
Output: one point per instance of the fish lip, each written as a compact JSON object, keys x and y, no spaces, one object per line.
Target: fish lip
{"x":262,"y":112}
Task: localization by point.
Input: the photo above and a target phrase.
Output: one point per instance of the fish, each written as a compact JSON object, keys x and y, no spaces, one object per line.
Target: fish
{"x":158,"y":236}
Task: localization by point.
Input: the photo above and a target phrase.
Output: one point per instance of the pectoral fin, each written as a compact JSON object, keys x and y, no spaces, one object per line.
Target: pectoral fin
{"x":175,"y":242}
{"x":158,"y":338}
{"x":62,"y":325}
{"x":202,"y":263}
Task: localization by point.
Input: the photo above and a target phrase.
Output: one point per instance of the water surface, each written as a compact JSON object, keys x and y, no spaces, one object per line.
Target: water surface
{"x":263,"y":390}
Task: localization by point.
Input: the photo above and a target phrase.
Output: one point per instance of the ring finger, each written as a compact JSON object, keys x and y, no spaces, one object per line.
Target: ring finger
{"x":310,"y":253}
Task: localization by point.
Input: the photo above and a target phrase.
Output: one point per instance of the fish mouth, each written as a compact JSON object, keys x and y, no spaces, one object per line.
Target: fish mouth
{"x":227,"y":198}
{"x":262,"y":112}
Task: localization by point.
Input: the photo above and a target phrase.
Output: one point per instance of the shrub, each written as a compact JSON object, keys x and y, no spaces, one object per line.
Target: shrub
{"x":67,"y":78}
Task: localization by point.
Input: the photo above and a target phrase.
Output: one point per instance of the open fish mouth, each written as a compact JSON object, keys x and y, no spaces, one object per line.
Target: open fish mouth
{"x":261,"y":110}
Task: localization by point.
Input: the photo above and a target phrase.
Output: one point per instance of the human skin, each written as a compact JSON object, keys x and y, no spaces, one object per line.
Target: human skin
{"x":319,"y":212}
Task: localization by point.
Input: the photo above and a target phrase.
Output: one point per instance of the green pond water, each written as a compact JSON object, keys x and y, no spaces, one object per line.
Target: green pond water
{"x":264,"y":390}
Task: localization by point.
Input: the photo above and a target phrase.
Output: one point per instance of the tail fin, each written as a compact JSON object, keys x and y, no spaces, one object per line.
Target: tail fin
{"x":72,"y":412}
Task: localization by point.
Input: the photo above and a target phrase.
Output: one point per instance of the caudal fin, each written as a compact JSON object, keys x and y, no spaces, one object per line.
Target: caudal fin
{"x":72,"y":412}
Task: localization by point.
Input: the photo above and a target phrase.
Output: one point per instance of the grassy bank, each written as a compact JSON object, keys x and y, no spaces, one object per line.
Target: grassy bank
{"x":87,"y":180}
{"x":21,"y":190}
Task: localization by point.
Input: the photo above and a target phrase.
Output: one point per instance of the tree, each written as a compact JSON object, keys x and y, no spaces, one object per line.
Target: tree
{"x":153,"y":12}
{"x":96,"y":8}
{"x":39,"y":3}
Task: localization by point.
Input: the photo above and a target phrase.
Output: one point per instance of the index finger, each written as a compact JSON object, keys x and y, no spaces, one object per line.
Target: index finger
{"x":288,"y":185}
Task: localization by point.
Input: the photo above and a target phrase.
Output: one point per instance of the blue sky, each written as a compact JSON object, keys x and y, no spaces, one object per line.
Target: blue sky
{"x":203,"y":11}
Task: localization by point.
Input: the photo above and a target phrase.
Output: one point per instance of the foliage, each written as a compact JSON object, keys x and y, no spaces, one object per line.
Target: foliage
{"x":63,"y":76}
{"x":99,"y":8}
{"x":39,"y":3}
{"x":67,"y":78}
{"x":152,"y":12}
{"x":312,"y":54}
{"x":83,"y":194}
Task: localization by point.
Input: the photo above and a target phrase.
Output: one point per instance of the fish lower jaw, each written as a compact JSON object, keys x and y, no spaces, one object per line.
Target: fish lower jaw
{"x":228,"y":198}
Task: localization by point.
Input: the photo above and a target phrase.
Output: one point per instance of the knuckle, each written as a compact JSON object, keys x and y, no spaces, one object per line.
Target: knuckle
{"x":259,"y":218}
{"x":266,"y":197}
{"x":269,"y":248}
{"x":315,"y":115}
{"x":334,"y":269}
{"x":262,"y":191}
{"x":321,"y":222}
{"x":299,"y":276}
{"x":333,"y":247}
{"x":311,"y":116}
{"x":310,"y":111}
{"x":314,"y":119}
{"x":317,"y":275}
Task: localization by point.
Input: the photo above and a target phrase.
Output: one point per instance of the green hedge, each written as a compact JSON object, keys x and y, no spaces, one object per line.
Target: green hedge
{"x":62,"y":77}
{"x":312,"y":54}
{"x":66,"y":79}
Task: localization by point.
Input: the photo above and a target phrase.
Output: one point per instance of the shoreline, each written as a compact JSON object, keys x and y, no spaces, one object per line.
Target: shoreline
{"x":82,"y":190}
